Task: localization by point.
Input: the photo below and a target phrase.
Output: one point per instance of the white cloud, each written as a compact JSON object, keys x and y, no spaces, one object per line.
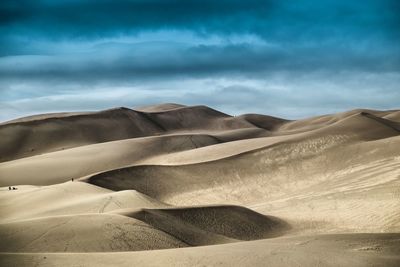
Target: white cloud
{"x":280,"y":95}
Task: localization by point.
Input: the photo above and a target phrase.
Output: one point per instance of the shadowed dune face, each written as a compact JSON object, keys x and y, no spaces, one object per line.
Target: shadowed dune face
{"x":231,"y":222}
{"x":171,"y":176}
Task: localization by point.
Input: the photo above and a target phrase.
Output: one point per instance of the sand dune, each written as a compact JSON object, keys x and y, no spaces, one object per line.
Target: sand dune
{"x":69,"y":198}
{"x":61,"y":166}
{"x":42,"y":134}
{"x":83,"y":233}
{"x":394,"y":116}
{"x":324,"y":250}
{"x":64,"y":165}
{"x":151,"y":180}
{"x":231,"y":222}
{"x":321,"y":121}
{"x":287,"y":162}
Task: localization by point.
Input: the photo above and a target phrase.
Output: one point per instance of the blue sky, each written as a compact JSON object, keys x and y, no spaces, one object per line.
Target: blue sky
{"x":293,"y":58}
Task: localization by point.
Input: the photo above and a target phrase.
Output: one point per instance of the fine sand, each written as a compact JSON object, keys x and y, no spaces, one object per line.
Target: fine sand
{"x":174,"y":185}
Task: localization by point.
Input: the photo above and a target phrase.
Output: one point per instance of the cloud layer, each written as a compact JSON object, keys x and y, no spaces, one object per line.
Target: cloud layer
{"x":306,"y":57}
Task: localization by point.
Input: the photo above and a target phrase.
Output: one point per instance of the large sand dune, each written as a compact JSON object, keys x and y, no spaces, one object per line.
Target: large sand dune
{"x":173,"y":185}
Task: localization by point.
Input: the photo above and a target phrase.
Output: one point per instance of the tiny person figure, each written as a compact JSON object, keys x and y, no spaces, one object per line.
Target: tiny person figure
{"x":72,"y":179}
{"x":9,"y":188}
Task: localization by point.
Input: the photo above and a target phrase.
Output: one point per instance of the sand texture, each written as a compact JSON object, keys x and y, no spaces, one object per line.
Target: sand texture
{"x":174,"y":185}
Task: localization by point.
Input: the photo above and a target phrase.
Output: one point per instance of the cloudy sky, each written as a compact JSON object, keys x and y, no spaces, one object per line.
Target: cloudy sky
{"x":288,"y":58}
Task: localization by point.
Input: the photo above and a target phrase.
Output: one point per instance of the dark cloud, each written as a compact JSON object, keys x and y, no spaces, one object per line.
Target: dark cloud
{"x":315,"y":34}
{"x":55,"y":52}
{"x":57,"y":19}
{"x":139,"y":62}
{"x":305,"y":34}
{"x":270,"y":19}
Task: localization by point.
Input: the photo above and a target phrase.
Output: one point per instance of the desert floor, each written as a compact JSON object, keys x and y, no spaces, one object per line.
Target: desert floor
{"x":173,"y":185}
